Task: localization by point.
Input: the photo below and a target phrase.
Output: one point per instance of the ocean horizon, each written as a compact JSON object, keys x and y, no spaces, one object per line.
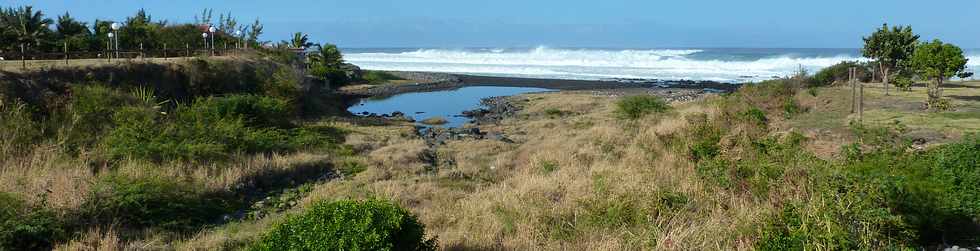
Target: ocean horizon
{"x":734,"y":65}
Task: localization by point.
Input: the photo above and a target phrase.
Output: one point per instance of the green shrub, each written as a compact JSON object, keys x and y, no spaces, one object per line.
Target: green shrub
{"x":336,"y":76}
{"x":554,"y":112}
{"x":348,"y":225}
{"x":25,"y":227}
{"x":152,"y":202}
{"x":838,"y":73}
{"x":254,"y":110}
{"x":903,"y":83}
{"x":90,"y":114}
{"x":756,"y":116}
{"x":209,"y":129}
{"x":284,"y":84}
{"x":791,"y":107}
{"x":635,"y":107}
{"x":378,"y":77}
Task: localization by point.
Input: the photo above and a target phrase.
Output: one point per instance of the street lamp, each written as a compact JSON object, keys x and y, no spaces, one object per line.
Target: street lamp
{"x":212,"y":30}
{"x":205,"y":36}
{"x":238,"y":36}
{"x":115,"y":27}
{"x":108,"y":46}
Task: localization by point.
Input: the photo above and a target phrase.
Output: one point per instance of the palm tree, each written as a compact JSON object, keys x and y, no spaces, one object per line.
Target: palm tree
{"x":327,"y":55}
{"x":300,"y":40}
{"x":28,"y":27}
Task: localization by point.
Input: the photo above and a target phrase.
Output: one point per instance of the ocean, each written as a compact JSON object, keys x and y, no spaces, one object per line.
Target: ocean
{"x":716,"y":64}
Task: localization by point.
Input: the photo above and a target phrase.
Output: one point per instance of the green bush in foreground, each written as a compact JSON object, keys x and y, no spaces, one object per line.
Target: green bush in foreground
{"x":23,"y":227}
{"x":635,"y":107}
{"x":151,"y":202}
{"x":349,"y":225}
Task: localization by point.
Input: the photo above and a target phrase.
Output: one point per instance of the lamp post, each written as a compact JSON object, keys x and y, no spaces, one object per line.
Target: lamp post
{"x":115,"y":27}
{"x":108,"y":46}
{"x":212,"y":30}
{"x":205,"y":36}
{"x":238,"y":37}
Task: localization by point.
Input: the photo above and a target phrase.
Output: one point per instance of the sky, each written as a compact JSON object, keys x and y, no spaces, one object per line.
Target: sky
{"x":564,"y":23}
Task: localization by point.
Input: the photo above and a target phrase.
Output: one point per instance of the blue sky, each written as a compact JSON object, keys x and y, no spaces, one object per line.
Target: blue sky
{"x":565,"y":23}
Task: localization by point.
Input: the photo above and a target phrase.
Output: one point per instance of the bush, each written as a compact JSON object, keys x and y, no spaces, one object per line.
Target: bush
{"x":254,"y":110}
{"x":285,"y":84}
{"x":208,"y":129}
{"x":24,"y":227}
{"x":348,"y":225}
{"x":378,"y":77}
{"x":635,"y":107}
{"x":90,"y":114}
{"x":838,"y":73}
{"x":151,"y":202}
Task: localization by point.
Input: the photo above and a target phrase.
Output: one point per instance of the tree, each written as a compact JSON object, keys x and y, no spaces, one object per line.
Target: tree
{"x":76,"y":34}
{"x":68,"y":26}
{"x":327,"y":55}
{"x":27,"y":26}
{"x":891,"y":48}
{"x":254,"y":31}
{"x":938,"y":61}
{"x":300,"y":40}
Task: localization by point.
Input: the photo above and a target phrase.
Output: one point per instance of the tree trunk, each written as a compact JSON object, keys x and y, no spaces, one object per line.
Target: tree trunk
{"x":935,"y":93}
{"x":884,"y":78}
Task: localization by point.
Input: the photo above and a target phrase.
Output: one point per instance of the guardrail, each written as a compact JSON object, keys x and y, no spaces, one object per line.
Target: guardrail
{"x":25,"y":59}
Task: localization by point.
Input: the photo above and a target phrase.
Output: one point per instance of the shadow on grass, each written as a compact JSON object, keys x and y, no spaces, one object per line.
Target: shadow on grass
{"x":965,"y":98}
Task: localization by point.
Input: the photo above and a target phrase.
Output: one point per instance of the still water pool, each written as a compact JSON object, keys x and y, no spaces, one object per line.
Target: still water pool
{"x":447,"y":104}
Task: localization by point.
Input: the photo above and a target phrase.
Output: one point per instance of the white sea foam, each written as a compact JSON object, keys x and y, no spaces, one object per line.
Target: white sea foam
{"x":670,"y":64}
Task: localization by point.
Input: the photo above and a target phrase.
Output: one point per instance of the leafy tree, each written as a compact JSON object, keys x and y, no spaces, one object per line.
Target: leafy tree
{"x":28,"y":26}
{"x":964,"y":75}
{"x":139,"y":29}
{"x":254,"y":31}
{"x":938,"y":61}
{"x":76,"y":34}
{"x":891,"y":48}
{"x":68,"y":26}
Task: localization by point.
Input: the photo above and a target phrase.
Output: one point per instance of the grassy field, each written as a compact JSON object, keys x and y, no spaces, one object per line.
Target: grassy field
{"x":770,"y":167}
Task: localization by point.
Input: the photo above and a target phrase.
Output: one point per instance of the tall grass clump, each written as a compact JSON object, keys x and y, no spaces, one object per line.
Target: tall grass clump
{"x":18,"y":130}
{"x":348,"y":225}
{"x":635,"y":107}
{"x":151,"y":202}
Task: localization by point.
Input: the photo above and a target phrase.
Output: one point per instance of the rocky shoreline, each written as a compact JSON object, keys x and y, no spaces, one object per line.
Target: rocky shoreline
{"x":493,"y":110}
{"x":430,"y":81}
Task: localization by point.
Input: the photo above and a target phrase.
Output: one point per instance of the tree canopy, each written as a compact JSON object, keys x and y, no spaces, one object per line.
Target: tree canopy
{"x":890,"y":48}
{"x":938,"y":61}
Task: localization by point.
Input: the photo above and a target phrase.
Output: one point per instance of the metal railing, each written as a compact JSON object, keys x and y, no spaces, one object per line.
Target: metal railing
{"x":24,"y":59}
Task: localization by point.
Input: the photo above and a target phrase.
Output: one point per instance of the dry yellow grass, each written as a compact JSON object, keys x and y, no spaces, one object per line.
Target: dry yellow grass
{"x":553,"y":190}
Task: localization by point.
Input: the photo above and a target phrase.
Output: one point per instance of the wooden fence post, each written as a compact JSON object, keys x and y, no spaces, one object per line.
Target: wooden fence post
{"x":861,"y":104}
{"x":164,"y":51}
{"x":23,"y":59}
{"x":66,"y":53}
{"x":187,"y":50}
{"x":141,"y":52}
